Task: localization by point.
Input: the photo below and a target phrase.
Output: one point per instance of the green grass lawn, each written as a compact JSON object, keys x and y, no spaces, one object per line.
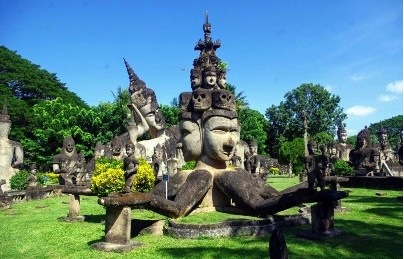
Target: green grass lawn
{"x":372,"y":226}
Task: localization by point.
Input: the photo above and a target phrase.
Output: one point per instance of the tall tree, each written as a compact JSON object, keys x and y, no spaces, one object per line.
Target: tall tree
{"x":24,"y":84}
{"x":53,"y":121}
{"x":311,"y":102}
{"x":393,"y":126}
{"x":253,"y":125}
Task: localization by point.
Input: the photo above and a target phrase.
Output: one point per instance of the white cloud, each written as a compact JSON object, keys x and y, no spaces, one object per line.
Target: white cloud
{"x":357,"y":78}
{"x":395,"y":87}
{"x":386,"y":97}
{"x":360,"y":111}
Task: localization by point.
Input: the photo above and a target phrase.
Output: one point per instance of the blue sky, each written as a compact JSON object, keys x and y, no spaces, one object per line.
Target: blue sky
{"x":354,"y":48}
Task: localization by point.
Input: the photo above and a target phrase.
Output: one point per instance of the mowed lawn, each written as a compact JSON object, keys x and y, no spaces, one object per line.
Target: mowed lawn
{"x":372,"y":228}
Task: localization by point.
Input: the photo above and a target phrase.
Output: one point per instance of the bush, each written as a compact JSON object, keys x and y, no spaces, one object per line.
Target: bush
{"x":342,"y":168}
{"x":274,"y":171}
{"x":109,"y":177}
{"x":51,"y":178}
{"x":190,"y":165}
{"x":145,"y":178}
{"x":19,"y":180}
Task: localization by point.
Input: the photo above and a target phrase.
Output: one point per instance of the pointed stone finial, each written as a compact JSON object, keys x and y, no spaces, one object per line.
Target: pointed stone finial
{"x":135,"y":83}
{"x":4,"y":117}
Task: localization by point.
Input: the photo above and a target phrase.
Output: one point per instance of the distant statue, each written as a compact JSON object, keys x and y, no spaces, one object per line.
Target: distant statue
{"x":343,"y":148}
{"x":115,"y":149}
{"x":363,"y":156}
{"x":172,"y":165}
{"x":67,"y":164}
{"x":82,"y":176}
{"x":158,"y":163}
{"x":386,"y":154}
{"x":32,"y":178}
{"x":11,"y":152}
{"x":333,"y":157}
{"x":2,"y":182}
{"x":235,"y":160}
{"x":254,"y":158}
{"x":400,"y":150}
{"x":315,"y":165}
{"x":130,"y":164}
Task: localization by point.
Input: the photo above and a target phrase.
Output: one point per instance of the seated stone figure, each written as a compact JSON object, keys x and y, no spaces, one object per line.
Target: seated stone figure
{"x":67,"y":164}
{"x":363,"y":156}
{"x":11,"y":152}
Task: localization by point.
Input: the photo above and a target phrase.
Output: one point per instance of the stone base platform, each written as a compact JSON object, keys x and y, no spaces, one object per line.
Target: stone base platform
{"x":242,"y":227}
{"x":109,"y":247}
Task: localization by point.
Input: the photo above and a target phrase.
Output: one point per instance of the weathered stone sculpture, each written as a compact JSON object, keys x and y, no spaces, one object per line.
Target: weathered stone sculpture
{"x":363,"y":156}
{"x":67,"y":163}
{"x":147,"y":116}
{"x":386,"y":155}
{"x":11,"y":152}
{"x":333,"y":157}
{"x":130,"y":164}
{"x":343,"y":148}
{"x":315,"y":165}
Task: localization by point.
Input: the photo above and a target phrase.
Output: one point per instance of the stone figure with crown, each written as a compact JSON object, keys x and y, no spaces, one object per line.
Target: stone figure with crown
{"x":363,"y":156}
{"x":210,"y":131}
{"x":343,"y":148}
{"x":11,"y":152}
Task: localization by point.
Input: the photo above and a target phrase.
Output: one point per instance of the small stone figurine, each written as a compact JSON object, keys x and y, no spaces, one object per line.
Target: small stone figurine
{"x":131,"y":165}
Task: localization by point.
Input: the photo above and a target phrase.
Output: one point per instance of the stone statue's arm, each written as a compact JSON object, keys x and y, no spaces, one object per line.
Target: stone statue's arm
{"x":56,"y":168}
{"x":18,"y":156}
{"x":140,"y":121}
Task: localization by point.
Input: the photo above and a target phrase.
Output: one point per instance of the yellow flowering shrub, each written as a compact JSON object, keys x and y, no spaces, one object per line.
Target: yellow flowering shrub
{"x":145,"y":178}
{"x":108,"y":177}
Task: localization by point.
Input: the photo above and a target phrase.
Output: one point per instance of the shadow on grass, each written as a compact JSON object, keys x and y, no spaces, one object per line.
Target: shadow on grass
{"x":94,"y":218}
{"x":215,"y":252}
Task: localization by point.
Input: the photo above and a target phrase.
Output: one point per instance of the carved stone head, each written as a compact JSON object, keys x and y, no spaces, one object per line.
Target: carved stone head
{"x":201,"y":99}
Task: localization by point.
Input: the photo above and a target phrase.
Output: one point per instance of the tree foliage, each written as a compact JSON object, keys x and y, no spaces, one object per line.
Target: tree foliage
{"x":54,"y":120}
{"x":313,"y":102}
{"x":292,"y":152}
{"x":253,"y":125}
{"x":23,"y":85}
{"x":171,"y":114}
{"x":393,"y":126}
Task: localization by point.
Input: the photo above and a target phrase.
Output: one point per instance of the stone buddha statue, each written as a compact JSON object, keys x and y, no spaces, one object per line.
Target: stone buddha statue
{"x":11,"y":152}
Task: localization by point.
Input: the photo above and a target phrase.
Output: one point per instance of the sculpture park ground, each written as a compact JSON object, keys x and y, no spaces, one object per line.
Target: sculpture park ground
{"x":372,"y":227}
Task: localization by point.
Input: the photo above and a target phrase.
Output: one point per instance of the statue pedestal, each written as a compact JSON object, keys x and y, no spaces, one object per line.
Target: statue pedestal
{"x":322,"y":221}
{"x":74,"y":202}
{"x":118,"y":222}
